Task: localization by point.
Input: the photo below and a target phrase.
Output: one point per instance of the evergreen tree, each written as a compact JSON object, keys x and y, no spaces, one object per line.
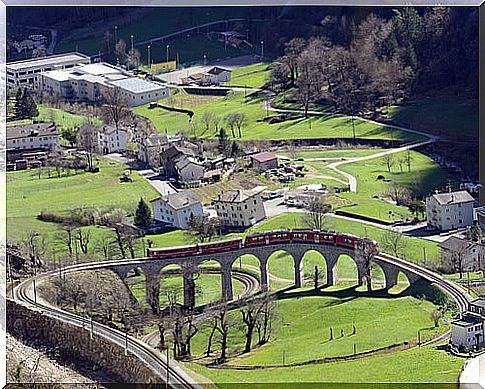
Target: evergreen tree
{"x":143,"y":215}
{"x":18,"y":105}
{"x":29,"y":105}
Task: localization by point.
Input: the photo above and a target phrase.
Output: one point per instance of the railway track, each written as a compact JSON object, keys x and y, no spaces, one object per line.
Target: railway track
{"x":171,"y":374}
{"x":456,"y":292}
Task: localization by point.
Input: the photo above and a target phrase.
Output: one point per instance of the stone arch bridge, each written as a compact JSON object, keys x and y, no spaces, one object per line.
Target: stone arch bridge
{"x":152,"y":268}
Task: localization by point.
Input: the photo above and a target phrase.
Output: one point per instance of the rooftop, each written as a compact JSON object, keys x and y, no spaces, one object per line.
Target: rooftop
{"x":479,"y":302}
{"x":461,"y":196}
{"x":53,"y":60}
{"x":265,"y":156}
{"x":217,"y":70}
{"x":29,"y":130}
{"x":466,"y":320}
{"x":181,"y":199}
{"x":137,"y":85}
{"x":238,"y":195}
{"x":456,"y":244}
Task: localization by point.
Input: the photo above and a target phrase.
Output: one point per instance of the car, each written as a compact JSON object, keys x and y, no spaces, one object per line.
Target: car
{"x":299,"y":159}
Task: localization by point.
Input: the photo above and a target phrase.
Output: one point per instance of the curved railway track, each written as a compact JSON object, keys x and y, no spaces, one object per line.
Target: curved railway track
{"x":174,"y":375}
{"x":169,"y":373}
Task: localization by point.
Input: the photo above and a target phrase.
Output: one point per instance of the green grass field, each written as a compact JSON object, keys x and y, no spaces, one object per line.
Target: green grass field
{"x":424,"y":177}
{"x":420,"y":365}
{"x":252,"y":76}
{"x":331,"y":153}
{"x":451,"y":117}
{"x":252,"y":107}
{"x":62,"y":119}
{"x":27,"y":196}
{"x":302,"y":333}
{"x":209,"y":288}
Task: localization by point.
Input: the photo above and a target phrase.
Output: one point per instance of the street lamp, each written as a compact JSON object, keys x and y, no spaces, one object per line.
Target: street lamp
{"x":132,"y":42}
{"x":116,"y":34}
{"x":148,"y":56}
{"x":205,"y":59}
{"x":262,"y":50}
{"x":167,"y":51}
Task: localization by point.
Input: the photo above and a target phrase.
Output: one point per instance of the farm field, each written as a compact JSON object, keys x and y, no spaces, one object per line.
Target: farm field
{"x":252,"y":76}
{"x":252,"y":107}
{"x":27,"y":196}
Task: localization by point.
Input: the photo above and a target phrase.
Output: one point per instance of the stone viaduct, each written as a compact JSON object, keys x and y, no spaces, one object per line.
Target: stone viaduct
{"x":153,"y":267}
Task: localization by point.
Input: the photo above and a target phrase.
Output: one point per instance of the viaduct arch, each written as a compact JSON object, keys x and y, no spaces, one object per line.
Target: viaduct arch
{"x":153,"y":267}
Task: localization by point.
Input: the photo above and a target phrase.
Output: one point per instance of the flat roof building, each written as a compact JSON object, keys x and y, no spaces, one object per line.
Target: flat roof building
{"x":25,"y":73}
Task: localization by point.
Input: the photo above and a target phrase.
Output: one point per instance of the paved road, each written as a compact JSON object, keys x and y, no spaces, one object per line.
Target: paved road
{"x":473,"y":374}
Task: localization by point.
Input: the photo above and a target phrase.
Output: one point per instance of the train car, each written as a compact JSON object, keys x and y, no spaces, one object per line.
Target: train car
{"x":346,"y":241}
{"x":281,"y":236}
{"x":182,"y":251}
{"x":260,"y":239}
{"x":303,"y":236}
{"x":221,"y":246}
{"x":325,"y":237}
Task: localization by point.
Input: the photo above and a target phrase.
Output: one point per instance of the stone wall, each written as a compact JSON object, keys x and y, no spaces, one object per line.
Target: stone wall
{"x":75,"y":343}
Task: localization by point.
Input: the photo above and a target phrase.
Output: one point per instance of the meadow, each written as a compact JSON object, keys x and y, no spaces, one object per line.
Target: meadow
{"x":258,"y":129}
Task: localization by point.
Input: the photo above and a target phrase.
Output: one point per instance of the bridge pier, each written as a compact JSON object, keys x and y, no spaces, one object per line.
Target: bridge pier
{"x":361,"y":275}
{"x":263,"y":269}
{"x":189,"y":288}
{"x":152,"y":287}
{"x":227,"y":292}
{"x":332,"y":271}
{"x":298,"y":272}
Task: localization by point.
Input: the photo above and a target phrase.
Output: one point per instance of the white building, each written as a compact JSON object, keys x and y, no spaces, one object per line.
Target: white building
{"x":450,"y":210}
{"x":204,"y":75}
{"x":240,"y":209}
{"x":32,"y":136}
{"x":176,"y":209}
{"x":106,"y":139}
{"x":25,"y":73}
{"x":89,"y":82}
{"x":467,"y":332}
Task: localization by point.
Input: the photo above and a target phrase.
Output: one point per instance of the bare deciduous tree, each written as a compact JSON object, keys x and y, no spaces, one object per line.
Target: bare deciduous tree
{"x":115,"y":106}
{"x":366,"y":251}
{"x":315,"y":216}
{"x":394,"y":242}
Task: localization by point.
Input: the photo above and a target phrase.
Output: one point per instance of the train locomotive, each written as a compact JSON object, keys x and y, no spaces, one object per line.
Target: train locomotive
{"x":262,"y":239}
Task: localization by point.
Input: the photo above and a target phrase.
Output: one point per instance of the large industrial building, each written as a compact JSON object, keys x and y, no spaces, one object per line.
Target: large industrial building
{"x":25,"y":73}
{"x":72,"y":77}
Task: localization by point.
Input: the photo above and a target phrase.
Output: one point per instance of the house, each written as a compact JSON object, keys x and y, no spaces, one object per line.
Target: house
{"x":43,"y":136}
{"x":450,"y":210}
{"x":239,"y":209}
{"x":176,"y":209}
{"x":150,"y":147}
{"x":264,"y":161}
{"x":218,"y":75}
{"x":105,"y":139}
{"x":26,"y":73}
{"x":189,"y":171}
{"x":180,"y":162}
{"x":459,"y":253}
{"x":467,"y":331}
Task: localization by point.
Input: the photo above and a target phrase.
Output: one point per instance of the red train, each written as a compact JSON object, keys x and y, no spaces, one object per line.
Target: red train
{"x":262,"y":239}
